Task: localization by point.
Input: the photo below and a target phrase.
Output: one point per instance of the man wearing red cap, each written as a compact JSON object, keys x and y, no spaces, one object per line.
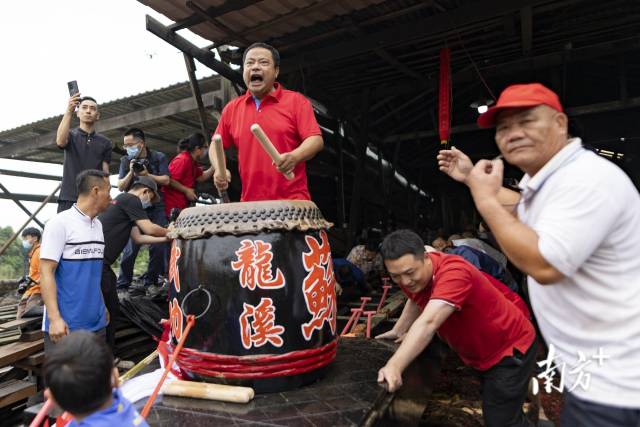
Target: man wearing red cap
{"x":574,"y":229}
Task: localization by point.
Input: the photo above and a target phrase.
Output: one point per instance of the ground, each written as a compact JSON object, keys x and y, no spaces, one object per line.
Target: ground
{"x":456,"y":398}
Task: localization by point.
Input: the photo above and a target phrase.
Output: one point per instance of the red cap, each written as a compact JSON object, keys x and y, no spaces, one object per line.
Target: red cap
{"x":519,"y":96}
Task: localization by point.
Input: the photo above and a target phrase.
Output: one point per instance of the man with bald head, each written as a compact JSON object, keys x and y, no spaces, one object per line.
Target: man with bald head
{"x":574,"y":229}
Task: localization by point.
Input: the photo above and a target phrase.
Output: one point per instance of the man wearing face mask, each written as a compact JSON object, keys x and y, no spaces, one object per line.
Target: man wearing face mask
{"x":284,"y":115}
{"x":126,"y":217}
{"x":31,"y":301}
{"x":142,"y":161}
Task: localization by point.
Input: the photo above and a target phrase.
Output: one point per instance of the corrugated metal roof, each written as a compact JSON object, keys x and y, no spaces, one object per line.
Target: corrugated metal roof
{"x":163,"y":133}
{"x":262,"y":20}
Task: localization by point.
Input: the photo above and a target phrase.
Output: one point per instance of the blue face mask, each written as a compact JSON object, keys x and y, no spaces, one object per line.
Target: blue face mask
{"x":26,"y":245}
{"x":133,"y":151}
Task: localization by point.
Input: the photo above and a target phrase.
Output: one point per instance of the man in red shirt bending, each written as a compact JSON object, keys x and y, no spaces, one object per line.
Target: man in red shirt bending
{"x":450,"y":297}
{"x":285,"y":116}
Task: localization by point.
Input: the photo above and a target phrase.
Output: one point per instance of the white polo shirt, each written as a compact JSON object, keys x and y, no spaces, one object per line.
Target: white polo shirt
{"x":586,"y":213}
{"x":76,"y":242}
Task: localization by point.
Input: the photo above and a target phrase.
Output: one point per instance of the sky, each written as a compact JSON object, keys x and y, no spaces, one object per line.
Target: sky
{"x":104,"y":45}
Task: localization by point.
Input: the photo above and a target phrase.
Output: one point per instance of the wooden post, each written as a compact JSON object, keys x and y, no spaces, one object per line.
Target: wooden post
{"x":197,"y":96}
{"x":361,"y":171}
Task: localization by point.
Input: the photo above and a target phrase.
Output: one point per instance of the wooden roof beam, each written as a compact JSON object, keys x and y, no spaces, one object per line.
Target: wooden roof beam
{"x":420,"y":29}
{"x":217,"y":23}
{"x":526,"y":29}
{"x":212,"y":12}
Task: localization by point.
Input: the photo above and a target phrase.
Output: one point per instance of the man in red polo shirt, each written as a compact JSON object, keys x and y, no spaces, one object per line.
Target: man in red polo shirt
{"x":452,"y":298}
{"x":285,"y":116}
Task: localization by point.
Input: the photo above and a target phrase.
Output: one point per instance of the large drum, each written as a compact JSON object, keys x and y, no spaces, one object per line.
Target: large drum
{"x":259,"y":278}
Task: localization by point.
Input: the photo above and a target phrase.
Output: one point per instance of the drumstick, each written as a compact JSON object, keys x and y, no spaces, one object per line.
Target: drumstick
{"x":224,"y":393}
{"x":221,"y":164}
{"x":268,"y":146}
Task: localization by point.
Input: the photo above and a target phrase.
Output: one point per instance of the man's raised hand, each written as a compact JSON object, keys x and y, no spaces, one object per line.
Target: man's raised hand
{"x":454,"y":163}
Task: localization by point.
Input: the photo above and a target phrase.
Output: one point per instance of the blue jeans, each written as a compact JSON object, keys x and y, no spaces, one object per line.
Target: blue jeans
{"x":157,"y":254}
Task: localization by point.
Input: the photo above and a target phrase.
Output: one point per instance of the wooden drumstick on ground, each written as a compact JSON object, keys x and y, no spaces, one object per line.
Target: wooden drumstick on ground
{"x":220,"y":164}
{"x":268,"y":147}
{"x":224,"y":393}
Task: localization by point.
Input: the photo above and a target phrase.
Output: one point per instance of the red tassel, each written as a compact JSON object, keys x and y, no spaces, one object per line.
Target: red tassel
{"x":444,"y":117}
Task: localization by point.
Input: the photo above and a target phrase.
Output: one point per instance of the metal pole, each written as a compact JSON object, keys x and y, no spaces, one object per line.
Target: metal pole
{"x":17,"y":233}
{"x":21,"y":206}
{"x":341,"y":205}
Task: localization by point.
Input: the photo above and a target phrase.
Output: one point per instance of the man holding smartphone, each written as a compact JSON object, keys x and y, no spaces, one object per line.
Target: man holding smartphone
{"x":83,"y":147}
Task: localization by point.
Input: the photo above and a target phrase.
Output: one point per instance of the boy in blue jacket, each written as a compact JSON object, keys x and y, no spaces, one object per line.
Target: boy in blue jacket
{"x":81,"y":379}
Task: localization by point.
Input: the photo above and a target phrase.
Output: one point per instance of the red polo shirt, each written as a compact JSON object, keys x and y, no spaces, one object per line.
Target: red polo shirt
{"x":486,"y":326}
{"x":184,"y":170}
{"x":287,"y":118}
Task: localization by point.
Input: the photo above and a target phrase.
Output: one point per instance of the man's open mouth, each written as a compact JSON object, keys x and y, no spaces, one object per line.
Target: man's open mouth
{"x":256,"y":78}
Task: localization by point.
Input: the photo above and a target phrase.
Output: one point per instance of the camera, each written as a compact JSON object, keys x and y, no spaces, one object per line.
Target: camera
{"x":138,"y":165}
{"x":24,"y":284}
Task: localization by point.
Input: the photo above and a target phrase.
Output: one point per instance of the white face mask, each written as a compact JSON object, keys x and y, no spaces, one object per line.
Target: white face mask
{"x":27,"y":245}
{"x":146,"y":203}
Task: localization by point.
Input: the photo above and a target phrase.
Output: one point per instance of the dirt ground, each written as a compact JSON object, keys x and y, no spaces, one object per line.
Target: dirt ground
{"x":455,"y":401}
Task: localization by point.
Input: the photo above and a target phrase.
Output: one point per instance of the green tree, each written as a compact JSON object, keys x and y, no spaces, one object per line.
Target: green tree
{"x":12,"y":260}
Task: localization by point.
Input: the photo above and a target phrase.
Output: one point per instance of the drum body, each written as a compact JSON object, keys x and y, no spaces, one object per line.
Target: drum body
{"x":259,"y":277}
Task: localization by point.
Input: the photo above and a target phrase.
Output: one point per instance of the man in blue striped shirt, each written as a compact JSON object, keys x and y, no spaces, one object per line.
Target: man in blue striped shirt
{"x":71,"y":262}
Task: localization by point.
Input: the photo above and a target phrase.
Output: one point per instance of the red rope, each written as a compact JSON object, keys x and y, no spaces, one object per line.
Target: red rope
{"x":255,"y":366}
{"x":191,"y":320}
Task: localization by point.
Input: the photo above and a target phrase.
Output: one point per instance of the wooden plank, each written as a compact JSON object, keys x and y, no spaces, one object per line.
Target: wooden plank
{"x":31,"y":361}
{"x":14,"y":391}
{"x":9,"y":339}
{"x":13,"y":352}
{"x":393,"y":303}
{"x":32,"y":335}
{"x":20,"y":322}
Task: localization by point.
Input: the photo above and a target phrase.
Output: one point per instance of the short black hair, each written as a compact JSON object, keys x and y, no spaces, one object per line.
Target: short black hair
{"x":135,"y":132}
{"x":190,"y":143}
{"x":78,"y":370}
{"x":274,"y":52}
{"x":88,"y":98}
{"x":400,"y":243}
{"x":88,"y":179}
{"x":31,"y":231}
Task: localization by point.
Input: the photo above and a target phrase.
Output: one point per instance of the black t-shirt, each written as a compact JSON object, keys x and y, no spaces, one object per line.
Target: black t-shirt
{"x":117,"y":222}
{"x":83,"y":151}
{"x":157,"y":164}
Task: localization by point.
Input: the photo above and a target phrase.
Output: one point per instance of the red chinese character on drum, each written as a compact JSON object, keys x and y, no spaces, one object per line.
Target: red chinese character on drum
{"x":262,"y":328}
{"x":174,"y":273}
{"x":254,"y":264}
{"x":319,"y":285}
{"x":176,"y":317}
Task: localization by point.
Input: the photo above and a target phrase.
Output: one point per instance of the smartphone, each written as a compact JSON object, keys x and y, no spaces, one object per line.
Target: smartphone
{"x":73,"y":87}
